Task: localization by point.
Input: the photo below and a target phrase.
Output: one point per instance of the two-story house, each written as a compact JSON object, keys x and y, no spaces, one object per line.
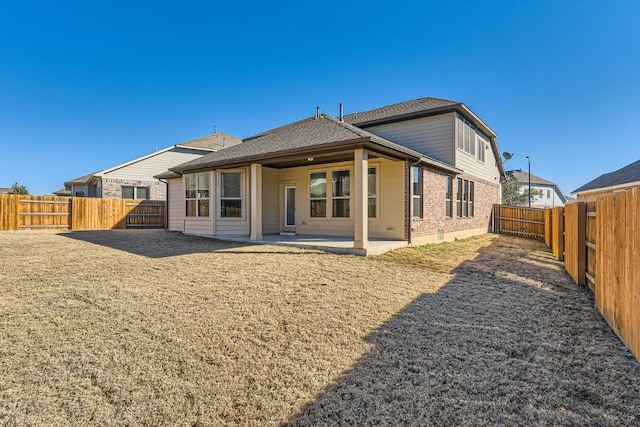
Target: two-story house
{"x":419,"y":171}
{"x":135,"y":179}
{"x":545,"y":194}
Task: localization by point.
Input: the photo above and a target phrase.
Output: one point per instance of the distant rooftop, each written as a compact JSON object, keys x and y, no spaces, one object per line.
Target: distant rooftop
{"x":625,"y":175}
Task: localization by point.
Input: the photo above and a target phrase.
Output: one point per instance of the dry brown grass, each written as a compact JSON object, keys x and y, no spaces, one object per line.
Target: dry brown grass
{"x":157,"y":328}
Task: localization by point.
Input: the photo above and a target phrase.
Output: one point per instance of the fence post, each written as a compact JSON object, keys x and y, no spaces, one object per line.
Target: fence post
{"x":582,"y":242}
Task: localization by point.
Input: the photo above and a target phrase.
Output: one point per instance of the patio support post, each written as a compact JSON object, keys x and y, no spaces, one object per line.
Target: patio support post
{"x":360,"y":210}
{"x":256,"y":201}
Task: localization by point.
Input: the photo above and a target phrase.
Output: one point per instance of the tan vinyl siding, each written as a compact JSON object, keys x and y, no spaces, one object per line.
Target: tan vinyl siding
{"x":390,"y":221}
{"x":147,"y":168}
{"x":469,"y":162}
{"x":198,"y":226}
{"x":432,"y":136}
{"x":270,"y":201}
{"x":176,"y":205}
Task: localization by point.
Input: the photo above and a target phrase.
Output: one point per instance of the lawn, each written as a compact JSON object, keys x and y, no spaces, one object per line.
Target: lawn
{"x":156,"y":328}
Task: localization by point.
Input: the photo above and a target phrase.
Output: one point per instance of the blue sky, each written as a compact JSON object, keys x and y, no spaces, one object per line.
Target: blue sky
{"x":84,"y":87}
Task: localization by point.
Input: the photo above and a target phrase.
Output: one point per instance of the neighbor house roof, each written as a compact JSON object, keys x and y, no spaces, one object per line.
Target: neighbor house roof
{"x":629,"y":174}
{"x":208,"y":143}
{"x":211,"y":142}
{"x":523,"y":177}
{"x":5,"y":190}
{"x":62,"y":192}
{"x":303,"y":136}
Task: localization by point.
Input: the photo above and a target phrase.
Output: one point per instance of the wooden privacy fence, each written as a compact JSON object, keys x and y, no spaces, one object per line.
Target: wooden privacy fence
{"x":599,"y":242}
{"x":19,"y":212}
{"x":517,"y":221}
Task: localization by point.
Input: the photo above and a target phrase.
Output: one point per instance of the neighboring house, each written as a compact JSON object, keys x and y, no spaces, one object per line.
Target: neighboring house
{"x":419,"y":171}
{"x":622,"y":179}
{"x":5,"y":190}
{"x":63,"y":192}
{"x":135,"y":179}
{"x":547,"y":194}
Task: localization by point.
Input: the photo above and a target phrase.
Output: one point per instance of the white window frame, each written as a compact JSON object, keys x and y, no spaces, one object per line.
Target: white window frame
{"x":347,"y":197}
{"x":220,"y":197}
{"x":197,"y":197}
{"x":482,"y":148}
{"x":420,"y":196}
{"x":326,"y":194}
{"x":377,"y":191}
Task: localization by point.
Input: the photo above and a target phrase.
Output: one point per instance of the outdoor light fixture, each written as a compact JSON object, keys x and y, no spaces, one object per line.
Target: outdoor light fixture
{"x":310,"y":159}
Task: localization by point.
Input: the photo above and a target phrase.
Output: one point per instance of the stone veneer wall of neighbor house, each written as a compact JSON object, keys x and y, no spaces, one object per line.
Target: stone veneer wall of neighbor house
{"x":435,"y":225}
{"x":112,"y":188}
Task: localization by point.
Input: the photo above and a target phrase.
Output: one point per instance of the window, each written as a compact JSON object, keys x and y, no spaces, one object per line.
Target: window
{"x":548,"y":194}
{"x":470,"y":140}
{"x":471,"y":197}
{"x":131,"y":192}
{"x":448,"y":196}
{"x":341,"y":182}
{"x":79,"y":193}
{"x":459,"y":198}
{"x":372,"y":201}
{"x":231,"y":195}
{"x":318,"y":194}
{"x":417,"y":192}
{"x":197,"y":194}
{"x":482,"y":146}
{"x":466,"y":198}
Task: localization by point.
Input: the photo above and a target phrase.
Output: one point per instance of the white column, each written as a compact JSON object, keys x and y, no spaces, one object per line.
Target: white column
{"x":360,"y":210}
{"x":255,"y":190}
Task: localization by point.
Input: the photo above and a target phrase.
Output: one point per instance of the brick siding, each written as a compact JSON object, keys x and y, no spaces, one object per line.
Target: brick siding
{"x":112,"y":188}
{"x":434,"y":221}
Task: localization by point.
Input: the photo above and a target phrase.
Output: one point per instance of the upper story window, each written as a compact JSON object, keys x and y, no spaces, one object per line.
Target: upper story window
{"x":196,"y":187}
{"x":482,"y":147}
{"x":470,"y":140}
{"x":230,"y":194}
{"x":132,"y":192}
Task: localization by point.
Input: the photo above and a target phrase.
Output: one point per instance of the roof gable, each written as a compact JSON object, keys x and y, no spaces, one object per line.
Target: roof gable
{"x":625,"y":175}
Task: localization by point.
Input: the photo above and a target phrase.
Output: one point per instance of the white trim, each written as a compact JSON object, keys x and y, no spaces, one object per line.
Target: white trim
{"x":243,"y":201}
{"x":286,"y":201}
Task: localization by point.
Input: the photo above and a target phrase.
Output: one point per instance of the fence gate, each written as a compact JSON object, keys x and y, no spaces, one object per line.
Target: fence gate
{"x":517,"y":221}
{"x":146,"y":215}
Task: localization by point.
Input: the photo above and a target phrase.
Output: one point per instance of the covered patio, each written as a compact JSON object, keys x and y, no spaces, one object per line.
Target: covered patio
{"x":333,"y":244}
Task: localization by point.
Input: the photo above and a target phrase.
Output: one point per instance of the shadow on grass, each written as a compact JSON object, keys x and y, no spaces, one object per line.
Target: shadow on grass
{"x":162,"y":243}
{"x":504,"y":342}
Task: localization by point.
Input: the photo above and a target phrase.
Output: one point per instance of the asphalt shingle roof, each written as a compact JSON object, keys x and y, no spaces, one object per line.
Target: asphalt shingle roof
{"x":214,"y":141}
{"x":522,"y":176}
{"x":625,"y":175}
{"x":304,"y":134}
{"x":400,"y":109}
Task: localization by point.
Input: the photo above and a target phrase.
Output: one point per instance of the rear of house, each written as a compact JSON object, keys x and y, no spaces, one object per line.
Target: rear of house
{"x":421,"y":171}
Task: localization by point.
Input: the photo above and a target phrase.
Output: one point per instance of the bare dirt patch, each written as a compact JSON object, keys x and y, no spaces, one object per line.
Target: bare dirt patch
{"x":148,"y":327}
